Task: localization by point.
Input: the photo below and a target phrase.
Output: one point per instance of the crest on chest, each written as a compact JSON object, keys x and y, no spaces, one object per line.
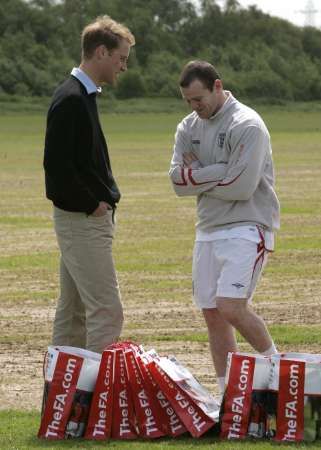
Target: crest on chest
{"x":221,"y":139}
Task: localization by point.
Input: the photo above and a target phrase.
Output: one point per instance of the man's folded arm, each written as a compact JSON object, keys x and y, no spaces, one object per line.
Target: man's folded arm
{"x":188,"y":181}
{"x":194,"y":179}
{"x":245,"y":168}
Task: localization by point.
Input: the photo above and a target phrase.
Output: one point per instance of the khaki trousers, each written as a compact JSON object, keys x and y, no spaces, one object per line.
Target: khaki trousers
{"x":89,"y":312}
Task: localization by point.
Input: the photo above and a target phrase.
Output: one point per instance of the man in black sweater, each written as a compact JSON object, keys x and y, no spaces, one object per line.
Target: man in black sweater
{"x":80,"y":183}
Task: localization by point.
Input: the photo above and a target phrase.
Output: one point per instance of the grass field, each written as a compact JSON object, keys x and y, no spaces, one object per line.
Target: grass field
{"x":153,"y":249}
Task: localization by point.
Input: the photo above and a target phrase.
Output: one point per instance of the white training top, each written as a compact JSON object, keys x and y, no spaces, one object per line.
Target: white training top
{"x":234,"y":179}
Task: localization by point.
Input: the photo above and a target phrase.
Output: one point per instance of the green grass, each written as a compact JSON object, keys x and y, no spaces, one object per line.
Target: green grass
{"x":19,"y":105}
{"x":26,"y":222}
{"x":18,"y":431}
{"x":152,"y":249}
{"x":20,"y":262}
{"x":283,"y":334}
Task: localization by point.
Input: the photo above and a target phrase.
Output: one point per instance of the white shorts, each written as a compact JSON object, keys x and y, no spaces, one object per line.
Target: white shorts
{"x":226,"y":268}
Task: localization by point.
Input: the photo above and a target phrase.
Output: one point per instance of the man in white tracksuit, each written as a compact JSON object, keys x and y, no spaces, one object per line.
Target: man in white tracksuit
{"x":222,"y":155}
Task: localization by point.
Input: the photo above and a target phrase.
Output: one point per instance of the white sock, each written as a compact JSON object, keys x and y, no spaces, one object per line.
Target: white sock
{"x":270,"y":351}
{"x":221,"y":384}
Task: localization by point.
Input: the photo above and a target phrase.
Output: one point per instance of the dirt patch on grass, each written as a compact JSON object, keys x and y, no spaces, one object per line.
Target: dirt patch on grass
{"x":26,"y":331}
{"x":21,"y":377}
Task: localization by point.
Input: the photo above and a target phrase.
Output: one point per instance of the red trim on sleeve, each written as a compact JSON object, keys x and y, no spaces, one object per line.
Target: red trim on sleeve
{"x":184,"y":182}
{"x":195,"y":183}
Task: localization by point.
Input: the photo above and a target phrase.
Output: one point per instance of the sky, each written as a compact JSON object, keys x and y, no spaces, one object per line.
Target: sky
{"x":292,"y":10}
{"x":296,"y":11}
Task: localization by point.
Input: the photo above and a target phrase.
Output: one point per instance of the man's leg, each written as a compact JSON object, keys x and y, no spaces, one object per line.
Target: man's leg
{"x":240,"y":315}
{"x":86,"y":247}
{"x":91,"y":265}
{"x":243,"y":264}
{"x":234,"y":314}
{"x":69,"y":326}
{"x":221,"y":339}
{"x":206,"y":271}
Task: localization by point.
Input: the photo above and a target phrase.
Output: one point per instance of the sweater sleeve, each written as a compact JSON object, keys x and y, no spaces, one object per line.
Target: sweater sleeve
{"x":60,"y":154}
{"x":249,"y":150}
{"x":196,"y":179}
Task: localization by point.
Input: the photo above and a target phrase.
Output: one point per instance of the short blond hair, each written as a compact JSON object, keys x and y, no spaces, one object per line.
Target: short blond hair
{"x":104,"y":31}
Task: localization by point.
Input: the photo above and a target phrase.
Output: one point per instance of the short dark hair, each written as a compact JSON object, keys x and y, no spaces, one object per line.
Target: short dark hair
{"x":199,"y":70}
{"x":104,"y":31}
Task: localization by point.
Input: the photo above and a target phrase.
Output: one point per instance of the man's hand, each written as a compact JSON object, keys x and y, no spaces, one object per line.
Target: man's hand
{"x":101,"y":210}
{"x":191,"y":160}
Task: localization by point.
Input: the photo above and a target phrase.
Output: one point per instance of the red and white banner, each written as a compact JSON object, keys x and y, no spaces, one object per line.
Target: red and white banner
{"x":191,"y":387}
{"x":145,"y":409}
{"x":290,"y":411}
{"x":170,"y":422}
{"x":60,"y":397}
{"x":124,"y":423}
{"x":238,"y":397}
{"x":192,"y":416}
{"x":100,"y":416}
{"x":127,"y":393}
{"x":80,"y":390}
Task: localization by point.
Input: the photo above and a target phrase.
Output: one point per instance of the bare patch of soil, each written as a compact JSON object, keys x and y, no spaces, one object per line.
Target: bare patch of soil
{"x":28,"y":330}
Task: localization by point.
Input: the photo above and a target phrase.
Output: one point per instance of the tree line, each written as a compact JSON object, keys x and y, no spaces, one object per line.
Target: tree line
{"x":259,"y":56}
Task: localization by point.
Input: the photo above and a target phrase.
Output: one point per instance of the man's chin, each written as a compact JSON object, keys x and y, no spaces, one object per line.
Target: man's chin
{"x":202,"y":115}
{"x":115,"y":81}
{"x":111,"y":82}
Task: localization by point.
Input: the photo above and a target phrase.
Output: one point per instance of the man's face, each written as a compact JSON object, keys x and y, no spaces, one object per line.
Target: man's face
{"x":115,"y":62}
{"x":201,"y":99}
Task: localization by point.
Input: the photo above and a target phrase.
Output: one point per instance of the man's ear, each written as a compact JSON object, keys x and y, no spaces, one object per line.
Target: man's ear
{"x":101,"y":51}
{"x":218,"y":85}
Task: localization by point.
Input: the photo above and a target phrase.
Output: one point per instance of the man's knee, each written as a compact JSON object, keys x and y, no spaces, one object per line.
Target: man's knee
{"x":211,"y":316}
{"x":231,"y":309}
{"x":98,"y":340}
{"x":115,"y":319}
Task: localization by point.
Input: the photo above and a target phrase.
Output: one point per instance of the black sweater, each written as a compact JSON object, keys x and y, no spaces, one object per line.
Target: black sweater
{"x":77,"y":167}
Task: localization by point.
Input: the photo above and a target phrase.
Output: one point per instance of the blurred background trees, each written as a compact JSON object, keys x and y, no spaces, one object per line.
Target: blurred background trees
{"x":259,"y":56}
